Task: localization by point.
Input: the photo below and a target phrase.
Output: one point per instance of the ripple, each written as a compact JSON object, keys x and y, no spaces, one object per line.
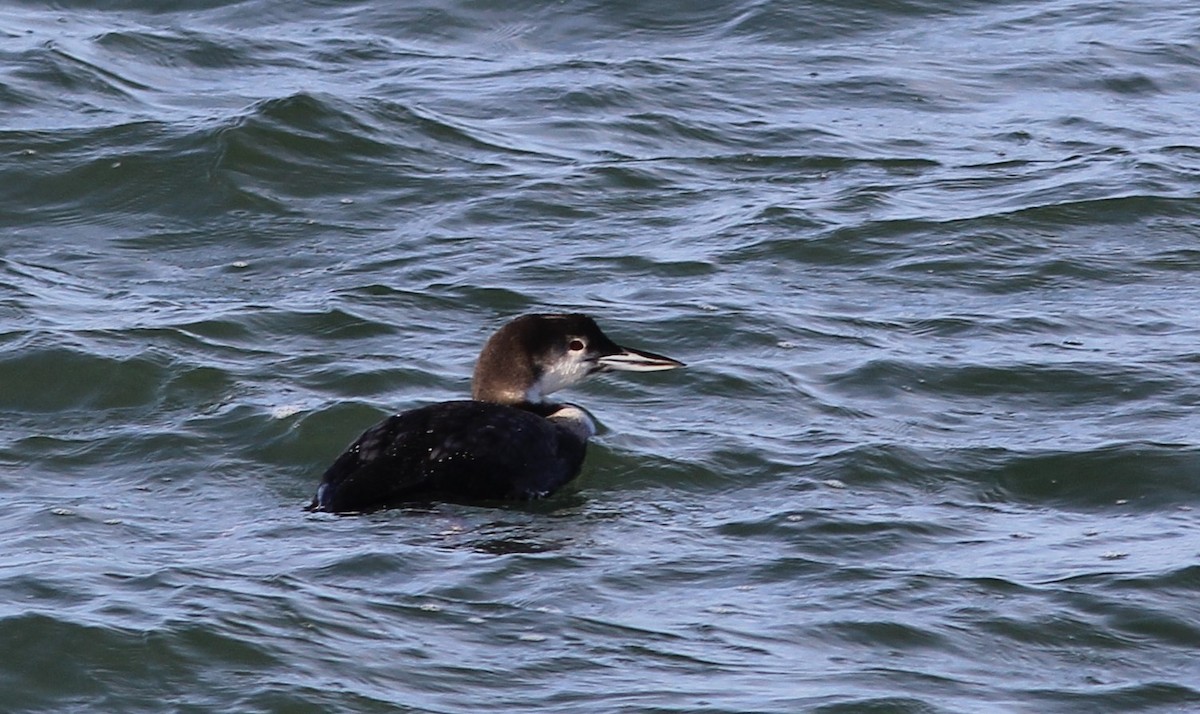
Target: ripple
{"x":930,"y":267}
{"x":1139,"y":476}
{"x":52,"y":379}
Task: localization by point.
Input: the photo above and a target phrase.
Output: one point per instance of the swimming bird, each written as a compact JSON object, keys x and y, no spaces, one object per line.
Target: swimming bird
{"x":506,"y":442}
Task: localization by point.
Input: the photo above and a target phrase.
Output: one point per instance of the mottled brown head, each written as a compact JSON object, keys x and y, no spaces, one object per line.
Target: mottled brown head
{"x":535,"y":355}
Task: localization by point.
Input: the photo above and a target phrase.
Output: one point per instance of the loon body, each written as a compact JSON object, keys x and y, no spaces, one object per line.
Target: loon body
{"x":506,"y":442}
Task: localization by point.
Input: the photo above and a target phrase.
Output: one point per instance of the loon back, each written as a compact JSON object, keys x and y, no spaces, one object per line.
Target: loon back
{"x":466,"y":450}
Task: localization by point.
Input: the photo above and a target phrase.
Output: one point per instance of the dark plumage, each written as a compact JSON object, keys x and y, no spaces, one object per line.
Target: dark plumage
{"x":457,"y":450}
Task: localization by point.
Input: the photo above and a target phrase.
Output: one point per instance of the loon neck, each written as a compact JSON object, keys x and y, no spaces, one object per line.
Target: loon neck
{"x":542,"y":409}
{"x":569,"y":416}
{"x":507,"y":388}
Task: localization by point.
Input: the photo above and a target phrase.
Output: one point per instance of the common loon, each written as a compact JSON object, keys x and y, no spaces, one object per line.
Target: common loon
{"x":506,"y":442}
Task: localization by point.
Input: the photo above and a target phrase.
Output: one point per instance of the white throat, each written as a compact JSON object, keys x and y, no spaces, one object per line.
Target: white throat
{"x":563,"y":374}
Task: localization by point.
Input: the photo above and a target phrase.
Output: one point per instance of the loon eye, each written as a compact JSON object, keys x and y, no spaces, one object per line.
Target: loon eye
{"x":575,"y":345}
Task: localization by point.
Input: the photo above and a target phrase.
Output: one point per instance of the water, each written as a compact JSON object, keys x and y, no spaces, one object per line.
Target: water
{"x":933,"y":267}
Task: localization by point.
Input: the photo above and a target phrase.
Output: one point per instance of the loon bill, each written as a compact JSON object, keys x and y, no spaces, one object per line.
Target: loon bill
{"x":506,"y":442}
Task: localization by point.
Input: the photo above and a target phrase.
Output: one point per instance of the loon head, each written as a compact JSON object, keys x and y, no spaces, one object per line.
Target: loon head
{"x":535,"y":355}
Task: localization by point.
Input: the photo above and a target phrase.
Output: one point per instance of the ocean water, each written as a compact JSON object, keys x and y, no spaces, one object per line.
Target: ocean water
{"x":934,"y":267}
